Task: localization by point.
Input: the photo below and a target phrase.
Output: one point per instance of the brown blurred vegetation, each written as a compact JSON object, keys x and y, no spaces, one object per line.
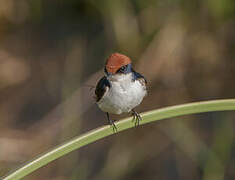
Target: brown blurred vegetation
{"x":52,"y":51}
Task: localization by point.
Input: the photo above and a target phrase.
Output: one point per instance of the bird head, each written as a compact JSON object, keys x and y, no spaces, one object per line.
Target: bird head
{"x":117,"y":64}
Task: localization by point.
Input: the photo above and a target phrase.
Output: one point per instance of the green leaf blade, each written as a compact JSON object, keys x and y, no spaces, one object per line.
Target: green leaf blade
{"x":104,"y":131}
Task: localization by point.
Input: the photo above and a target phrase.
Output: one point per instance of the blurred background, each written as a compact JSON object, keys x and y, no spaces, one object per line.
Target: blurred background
{"x":52,"y":53}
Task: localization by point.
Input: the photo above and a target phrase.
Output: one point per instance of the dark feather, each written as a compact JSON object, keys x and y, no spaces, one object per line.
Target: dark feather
{"x":101,"y":87}
{"x":138,"y":76}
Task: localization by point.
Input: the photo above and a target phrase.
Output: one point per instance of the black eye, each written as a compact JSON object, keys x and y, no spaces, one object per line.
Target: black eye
{"x":122,"y":69}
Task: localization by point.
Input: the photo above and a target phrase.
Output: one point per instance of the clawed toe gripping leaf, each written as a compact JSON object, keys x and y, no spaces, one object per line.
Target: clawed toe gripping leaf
{"x":136,"y":118}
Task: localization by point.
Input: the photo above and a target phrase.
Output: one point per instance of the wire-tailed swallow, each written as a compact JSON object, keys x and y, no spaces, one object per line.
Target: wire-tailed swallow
{"x":121,"y":89}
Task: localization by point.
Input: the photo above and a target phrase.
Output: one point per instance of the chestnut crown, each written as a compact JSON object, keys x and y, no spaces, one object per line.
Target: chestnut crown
{"x":117,"y":63}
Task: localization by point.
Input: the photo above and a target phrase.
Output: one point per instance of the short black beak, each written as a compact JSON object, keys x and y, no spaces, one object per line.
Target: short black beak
{"x":108,"y":74}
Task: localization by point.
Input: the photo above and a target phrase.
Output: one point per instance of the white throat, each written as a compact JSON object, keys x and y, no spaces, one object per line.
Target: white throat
{"x":120,"y":77}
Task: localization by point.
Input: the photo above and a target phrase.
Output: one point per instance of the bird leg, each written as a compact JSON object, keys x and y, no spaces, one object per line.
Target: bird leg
{"x":111,"y":122}
{"x":136,"y":117}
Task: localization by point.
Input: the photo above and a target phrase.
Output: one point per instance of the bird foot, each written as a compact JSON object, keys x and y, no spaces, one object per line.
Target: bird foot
{"x":136,"y":117}
{"x":111,"y":122}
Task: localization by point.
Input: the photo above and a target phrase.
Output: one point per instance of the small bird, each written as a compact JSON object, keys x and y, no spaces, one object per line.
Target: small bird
{"x":121,"y":89}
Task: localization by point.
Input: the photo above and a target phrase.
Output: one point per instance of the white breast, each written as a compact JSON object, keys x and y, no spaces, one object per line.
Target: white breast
{"x":123,"y":96}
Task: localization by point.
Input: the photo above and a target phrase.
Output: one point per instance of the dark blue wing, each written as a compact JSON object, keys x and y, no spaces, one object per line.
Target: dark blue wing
{"x":101,"y":87}
{"x":138,"y":76}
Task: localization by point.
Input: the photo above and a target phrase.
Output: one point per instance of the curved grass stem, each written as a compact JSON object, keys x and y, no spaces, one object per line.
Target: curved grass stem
{"x":99,"y":133}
